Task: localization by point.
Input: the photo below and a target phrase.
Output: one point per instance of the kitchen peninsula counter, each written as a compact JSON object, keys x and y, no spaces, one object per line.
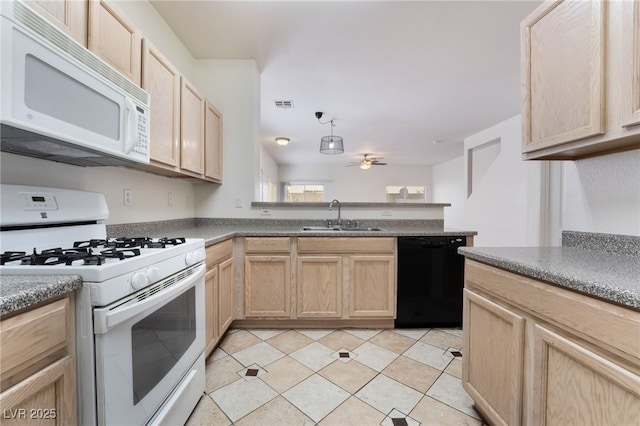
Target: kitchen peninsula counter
{"x":217,"y":230}
{"x":612,"y":274}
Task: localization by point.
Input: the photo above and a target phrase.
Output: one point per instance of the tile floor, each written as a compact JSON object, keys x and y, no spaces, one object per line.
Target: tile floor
{"x":336,"y":377}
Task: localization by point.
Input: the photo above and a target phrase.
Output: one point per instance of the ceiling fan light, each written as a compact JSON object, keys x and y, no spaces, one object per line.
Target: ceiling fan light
{"x":282,"y":141}
{"x":365,"y":164}
{"x":331,"y":145}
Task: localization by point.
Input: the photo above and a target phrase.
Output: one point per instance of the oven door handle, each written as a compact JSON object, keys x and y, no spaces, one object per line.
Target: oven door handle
{"x":105,"y":319}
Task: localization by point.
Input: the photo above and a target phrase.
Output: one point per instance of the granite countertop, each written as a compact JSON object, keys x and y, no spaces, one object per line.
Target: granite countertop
{"x":21,"y":291}
{"x":216,"y":230}
{"x":609,"y":276}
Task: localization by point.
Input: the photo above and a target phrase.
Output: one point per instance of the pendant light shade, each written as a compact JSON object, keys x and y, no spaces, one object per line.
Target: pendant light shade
{"x":331,"y":145}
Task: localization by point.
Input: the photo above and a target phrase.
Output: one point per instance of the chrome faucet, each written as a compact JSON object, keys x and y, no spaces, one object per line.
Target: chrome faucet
{"x":331,"y":208}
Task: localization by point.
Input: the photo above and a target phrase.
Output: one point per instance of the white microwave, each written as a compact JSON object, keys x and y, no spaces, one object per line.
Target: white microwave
{"x":60,"y":102}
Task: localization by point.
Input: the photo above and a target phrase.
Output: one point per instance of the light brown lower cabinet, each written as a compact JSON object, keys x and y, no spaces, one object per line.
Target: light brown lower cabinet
{"x":319,"y":287}
{"x":37,"y":366}
{"x":267,"y":286}
{"x":218,"y":290}
{"x":537,"y":354}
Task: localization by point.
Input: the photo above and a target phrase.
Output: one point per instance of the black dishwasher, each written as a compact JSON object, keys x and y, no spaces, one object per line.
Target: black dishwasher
{"x":430,"y":282}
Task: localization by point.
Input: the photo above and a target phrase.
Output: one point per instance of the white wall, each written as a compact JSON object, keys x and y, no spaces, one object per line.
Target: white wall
{"x":356,"y":185}
{"x":150,"y":192}
{"x":504,"y":206}
{"x":602,"y":194}
{"x":233,"y":86}
{"x":268,"y":171}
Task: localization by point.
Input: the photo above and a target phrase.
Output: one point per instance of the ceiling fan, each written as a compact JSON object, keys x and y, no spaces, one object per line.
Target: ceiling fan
{"x":367,"y":162}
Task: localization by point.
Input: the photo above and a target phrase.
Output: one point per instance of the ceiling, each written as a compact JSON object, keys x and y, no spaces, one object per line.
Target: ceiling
{"x":394,"y":76}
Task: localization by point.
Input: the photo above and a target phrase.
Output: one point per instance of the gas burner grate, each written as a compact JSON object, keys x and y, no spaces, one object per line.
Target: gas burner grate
{"x":11,"y":256}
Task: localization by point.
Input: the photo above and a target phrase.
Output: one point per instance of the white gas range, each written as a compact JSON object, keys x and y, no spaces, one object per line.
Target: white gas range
{"x":139,"y":314}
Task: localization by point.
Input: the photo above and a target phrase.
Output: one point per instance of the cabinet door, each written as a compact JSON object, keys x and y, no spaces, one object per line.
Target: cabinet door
{"x":162,"y":80}
{"x":372,"y":286}
{"x":191,"y":129}
{"x":576,"y":386}
{"x":319,"y":286}
{"x":213,"y":143}
{"x":267,"y":286}
{"x":493,"y":359}
{"x":68,"y":15}
{"x":114,"y":39}
{"x":46,"y":397}
{"x":563,"y":62}
{"x":211,"y":327}
{"x":634,"y":54}
{"x":225,"y":296}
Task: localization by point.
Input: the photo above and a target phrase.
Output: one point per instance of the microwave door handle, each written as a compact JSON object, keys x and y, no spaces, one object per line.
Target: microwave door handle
{"x":131,"y":133}
{"x":106,"y":319}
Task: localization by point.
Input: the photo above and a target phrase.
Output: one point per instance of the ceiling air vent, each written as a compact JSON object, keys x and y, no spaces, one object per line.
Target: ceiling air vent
{"x":284,"y":104}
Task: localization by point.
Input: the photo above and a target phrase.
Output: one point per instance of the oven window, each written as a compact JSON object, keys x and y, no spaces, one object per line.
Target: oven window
{"x":160,"y":340}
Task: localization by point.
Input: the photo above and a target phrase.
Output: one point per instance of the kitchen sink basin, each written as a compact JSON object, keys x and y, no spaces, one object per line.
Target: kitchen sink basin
{"x":340,"y":228}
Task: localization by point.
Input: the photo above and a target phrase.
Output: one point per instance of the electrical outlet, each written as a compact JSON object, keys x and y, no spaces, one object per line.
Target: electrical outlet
{"x":238,"y":202}
{"x":170,"y":199}
{"x":386,"y":212}
{"x":127,"y":197}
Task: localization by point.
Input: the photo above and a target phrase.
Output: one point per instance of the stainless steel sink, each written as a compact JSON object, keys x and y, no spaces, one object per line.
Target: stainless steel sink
{"x":340,"y":228}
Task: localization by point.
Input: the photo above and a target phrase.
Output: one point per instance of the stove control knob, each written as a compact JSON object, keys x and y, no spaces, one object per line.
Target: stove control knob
{"x":153,"y":275}
{"x":139,"y":280}
{"x":194,"y":257}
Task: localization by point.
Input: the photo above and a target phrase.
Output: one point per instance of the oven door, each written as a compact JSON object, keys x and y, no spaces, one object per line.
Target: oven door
{"x":145,"y":344}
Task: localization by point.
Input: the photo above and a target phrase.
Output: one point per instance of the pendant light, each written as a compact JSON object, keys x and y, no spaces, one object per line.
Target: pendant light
{"x":330,"y":144}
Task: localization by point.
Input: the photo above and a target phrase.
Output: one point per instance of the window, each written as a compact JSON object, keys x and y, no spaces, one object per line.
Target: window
{"x":405,"y":194}
{"x":303,"y":193}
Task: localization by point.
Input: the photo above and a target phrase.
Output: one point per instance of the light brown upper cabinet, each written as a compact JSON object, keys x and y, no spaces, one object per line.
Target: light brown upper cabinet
{"x":162,"y":80}
{"x":580,"y":72}
{"x":213,"y":143}
{"x":68,"y":15}
{"x":114,"y":39}
{"x":191,"y":129}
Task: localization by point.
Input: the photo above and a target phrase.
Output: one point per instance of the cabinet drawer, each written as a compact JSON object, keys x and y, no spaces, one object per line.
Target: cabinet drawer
{"x":346,"y":245}
{"x":218,"y":252}
{"x":31,"y":336}
{"x":267,"y":245}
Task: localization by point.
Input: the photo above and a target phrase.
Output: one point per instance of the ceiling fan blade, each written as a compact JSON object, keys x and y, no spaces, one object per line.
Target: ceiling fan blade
{"x":377,"y":163}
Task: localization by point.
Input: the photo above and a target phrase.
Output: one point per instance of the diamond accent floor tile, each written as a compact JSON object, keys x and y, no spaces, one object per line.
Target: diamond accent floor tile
{"x":252,"y":372}
{"x":316,"y":397}
{"x":374,"y":356}
{"x":430,"y":355}
{"x":344,"y":355}
{"x":261,"y":354}
{"x":386,"y":394}
{"x":242,"y":397}
{"x":314,"y":356}
{"x":396,"y":418}
{"x":448,"y":390}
